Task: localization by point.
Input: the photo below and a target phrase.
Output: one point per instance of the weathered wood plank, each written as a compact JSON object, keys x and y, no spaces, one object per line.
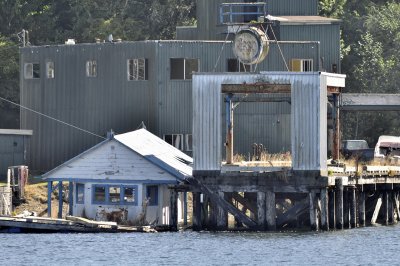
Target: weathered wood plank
{"x":313,"y":211}
{"x":361,"y":204}
{"x":261,"y":212}
{"x":324,"y":209}
{"x":244,"y":201}
{"x":270,"y":210}
{"x":290,"y":215}
{"x":339,"y":203}
{"x":256,"y":88}
{"x":197,"y":225}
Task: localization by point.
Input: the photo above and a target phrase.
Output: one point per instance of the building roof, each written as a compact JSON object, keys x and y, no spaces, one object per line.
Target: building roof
{"x":147,"y":145}
{"x":158,"y":152}
{"x":291,"y":20}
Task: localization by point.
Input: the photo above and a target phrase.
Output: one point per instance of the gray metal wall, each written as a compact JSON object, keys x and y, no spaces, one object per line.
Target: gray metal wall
{"x":292,"y":7}
{"x":328,"y":35}
{"x":308,"y":118}
{"x":97,"y":104}
{"x":13,"y":150}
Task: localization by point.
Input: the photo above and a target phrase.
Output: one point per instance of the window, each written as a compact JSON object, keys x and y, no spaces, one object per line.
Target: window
{"x":137,"y":69}
{"x":32,"y":70}
{"x":91,"y":68}
{"x":235,"y":65}
{"x":152,"y":195}
{"x":114,"y":194}
{"x":188,"y":142}
{"x":50,"y":70}
{"x":175,"y":140}
{"x":302,"y":65}
{"x":183,"y":68}
{"x":80,"y":193}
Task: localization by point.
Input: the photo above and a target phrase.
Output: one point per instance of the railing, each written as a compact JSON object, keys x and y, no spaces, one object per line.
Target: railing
{"x":239,"y":13}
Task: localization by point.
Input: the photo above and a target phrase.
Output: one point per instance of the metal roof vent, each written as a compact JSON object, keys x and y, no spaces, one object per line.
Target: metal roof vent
{"x":110,"y":38}
{"x":70,"y":42}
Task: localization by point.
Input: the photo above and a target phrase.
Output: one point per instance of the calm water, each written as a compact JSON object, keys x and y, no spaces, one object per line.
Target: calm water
{"x":366,"y":246}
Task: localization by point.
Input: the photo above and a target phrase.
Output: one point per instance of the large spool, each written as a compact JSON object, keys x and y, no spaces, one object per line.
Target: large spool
{"x":250,"y":46}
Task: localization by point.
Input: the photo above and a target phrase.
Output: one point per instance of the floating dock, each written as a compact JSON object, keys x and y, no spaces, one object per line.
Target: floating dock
{"x":71,"y":224}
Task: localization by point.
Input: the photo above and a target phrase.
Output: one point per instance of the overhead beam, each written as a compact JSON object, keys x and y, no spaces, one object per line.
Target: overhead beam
{"x":370,"y":102}
{"x":256,"y":88}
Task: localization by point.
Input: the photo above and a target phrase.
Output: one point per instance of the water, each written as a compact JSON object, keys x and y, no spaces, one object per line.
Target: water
{"x":362,"y":246}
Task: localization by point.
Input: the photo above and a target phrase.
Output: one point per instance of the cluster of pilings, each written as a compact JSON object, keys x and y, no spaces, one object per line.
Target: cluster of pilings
{"x":337,"y":207}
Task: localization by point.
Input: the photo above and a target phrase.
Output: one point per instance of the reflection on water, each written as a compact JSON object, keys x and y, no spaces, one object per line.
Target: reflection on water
{"x":372,"y":245}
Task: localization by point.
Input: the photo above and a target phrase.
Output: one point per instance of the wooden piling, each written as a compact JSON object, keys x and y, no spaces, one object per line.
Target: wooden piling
{"x":324,"y":209}
{"x":346,"y":208}
{"x":222,"y":215}
{"x":396,"y":205}
{"x":353,"y":206}
{"x":173,"y":216}
{"x":378,"y":204}
{"x":361,"y":209}
{"x":331,"y":202}
{"x":270,"y":210}
{"x":313,"y":211}
{"x":261,"y":212}
{"x":197,"y":225}
{"x":339,"y":202}
{"x":385,"y":207}
{"x":391,"y":207}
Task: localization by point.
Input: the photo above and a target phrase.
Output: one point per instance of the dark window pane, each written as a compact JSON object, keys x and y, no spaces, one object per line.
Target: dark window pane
{"x":129,"y":194}
{"x":177,"y":68}
{"x":99,"y":194}
{"x":152,"y":195}
{"x":192,"y":65}
{"x":80,"y":193}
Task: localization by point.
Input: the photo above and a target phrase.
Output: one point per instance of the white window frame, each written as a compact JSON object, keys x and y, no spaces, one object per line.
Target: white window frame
{"x":50,"y":69}
{"x":177,"y":140}
{"x":91,"y":68}
{"x":29,"y":71}
{"x":303,"y":65}
{"x":134,"y":71}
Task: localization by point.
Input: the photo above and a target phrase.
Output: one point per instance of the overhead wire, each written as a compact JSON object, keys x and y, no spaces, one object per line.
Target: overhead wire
{"x":279,"y":47}
{"x":52,"y":118}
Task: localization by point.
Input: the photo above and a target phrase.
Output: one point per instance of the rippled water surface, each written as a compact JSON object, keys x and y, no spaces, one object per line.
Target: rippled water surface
{"x":363,"y":246}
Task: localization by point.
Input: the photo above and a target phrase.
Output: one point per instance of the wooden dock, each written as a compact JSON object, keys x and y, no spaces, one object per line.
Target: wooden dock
{"x":71,"y":224}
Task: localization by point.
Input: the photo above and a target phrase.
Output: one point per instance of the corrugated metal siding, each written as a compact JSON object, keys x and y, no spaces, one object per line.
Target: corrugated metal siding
{"x":108,"y":101}
{"x":308,"y":142}
{"x":12,"y":151}
{"x":292,"y":7}
{"x":328,"y":35}
{"x":186,"y":33}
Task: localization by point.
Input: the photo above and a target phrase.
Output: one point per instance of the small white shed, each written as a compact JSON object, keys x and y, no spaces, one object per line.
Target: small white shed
{"x":125,"y":178}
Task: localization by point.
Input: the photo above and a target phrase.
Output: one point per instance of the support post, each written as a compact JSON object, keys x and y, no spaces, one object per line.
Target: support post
{"x":396,"y":205}
{"x":49,"y":192}
{"x":361,"y":209}
{"x":339,"y":203}
{"x":185,"y":208}
{"x":391,"y":207}
{"x":353,"y":208}
{"x":212,"y":218}
{"x":173,"y":216}
{"x":336,"y":129}
{"x":270,"y":210}
{"x":229,"y":128}
{"x":331,"y":202}
{"x":261,"y":212}
{"x":324,"y":209}
{"x":346,"y":208}
{"x":313,"y":211}
{"x":60,"y":199}
{"x":222,"y":215}
{"x":71,"y":198}
{"x":197,"y":226}
{"x":385,"y":207}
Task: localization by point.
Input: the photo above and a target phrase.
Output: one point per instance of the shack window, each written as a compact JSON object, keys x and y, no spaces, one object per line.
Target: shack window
{"x":91,"y":68}
{"x":188,"y":142}
{"x":183,"y":68}
{"x":302,"y":65}
{"x":137,"y":69}
{"x":100,"y":194}
{"x":235,"y":65}
{"x":80,"y":193}
{"x":175,"y":140}
{"x":114,"y":194}
{"x":50,"y":70}
{"x":129,"y":195}
{"x":32,"y":70}
{"x":152,"y":195}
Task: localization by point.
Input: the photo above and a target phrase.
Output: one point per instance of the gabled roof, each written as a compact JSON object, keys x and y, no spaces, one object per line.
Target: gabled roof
{"x":158,"y":152}
{"x":152,"y":148}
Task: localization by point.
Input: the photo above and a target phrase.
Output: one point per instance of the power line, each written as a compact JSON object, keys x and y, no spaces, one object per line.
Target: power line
{"x":52,"y":118}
